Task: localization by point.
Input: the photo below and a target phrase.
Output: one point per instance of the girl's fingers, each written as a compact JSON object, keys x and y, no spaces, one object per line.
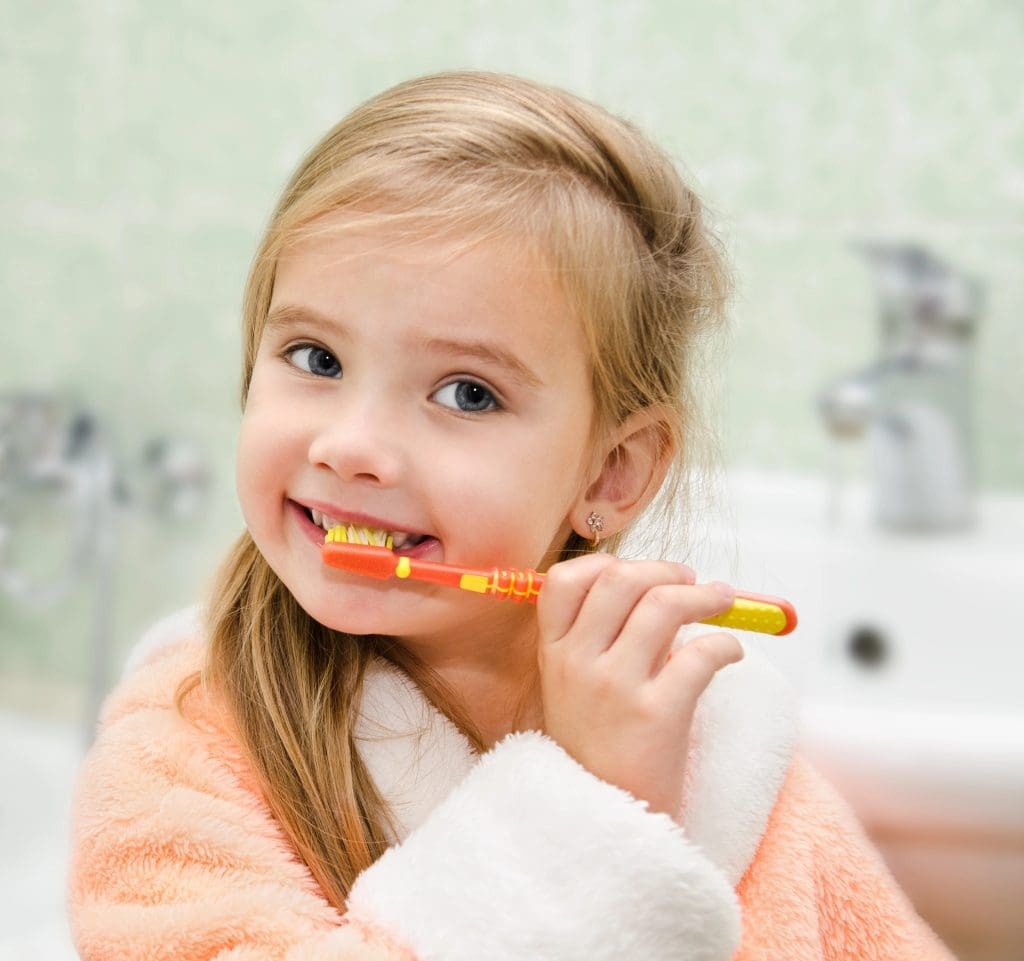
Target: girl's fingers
{"x":612,"y":598}
{"x":691,"y":667}
{"x":646,"y":638}
{"x":566,"y":586}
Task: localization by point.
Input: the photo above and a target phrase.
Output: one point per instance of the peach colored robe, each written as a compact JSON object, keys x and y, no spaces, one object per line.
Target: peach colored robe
{"x":520,"y":854}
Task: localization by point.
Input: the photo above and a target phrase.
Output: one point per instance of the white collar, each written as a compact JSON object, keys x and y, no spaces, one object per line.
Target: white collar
{"x":743,"y":738}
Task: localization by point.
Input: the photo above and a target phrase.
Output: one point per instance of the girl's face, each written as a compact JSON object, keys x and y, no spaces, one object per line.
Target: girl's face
{"x":423,"y":389}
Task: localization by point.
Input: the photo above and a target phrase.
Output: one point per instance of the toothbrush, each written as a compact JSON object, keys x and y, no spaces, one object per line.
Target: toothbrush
{"x":749,"y":612}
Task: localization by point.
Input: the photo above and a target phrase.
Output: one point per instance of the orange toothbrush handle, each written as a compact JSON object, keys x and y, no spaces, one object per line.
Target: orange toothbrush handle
{"x":750,"y":612}
{"x":513,"y":585}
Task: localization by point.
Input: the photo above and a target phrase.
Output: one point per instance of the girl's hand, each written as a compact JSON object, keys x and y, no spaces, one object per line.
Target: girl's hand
{"x":616,"y":696}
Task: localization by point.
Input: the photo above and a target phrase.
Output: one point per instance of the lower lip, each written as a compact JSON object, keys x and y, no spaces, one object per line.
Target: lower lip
{"x":316,"y":534}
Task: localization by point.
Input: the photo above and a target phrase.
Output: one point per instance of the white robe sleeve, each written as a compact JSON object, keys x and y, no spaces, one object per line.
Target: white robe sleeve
{"x":531,"y":856}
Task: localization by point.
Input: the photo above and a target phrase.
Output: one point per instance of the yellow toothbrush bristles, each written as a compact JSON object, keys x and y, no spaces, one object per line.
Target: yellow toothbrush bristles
{"x":354,"y":534}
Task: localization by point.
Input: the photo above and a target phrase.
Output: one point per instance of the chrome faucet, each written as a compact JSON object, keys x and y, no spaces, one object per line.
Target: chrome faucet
{"x":915,"y":402}
{"x":58,"y":464}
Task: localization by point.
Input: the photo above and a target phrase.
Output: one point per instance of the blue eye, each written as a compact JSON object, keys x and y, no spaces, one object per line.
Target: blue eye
{"x":315,"y":360}
{"x":467,"y":396}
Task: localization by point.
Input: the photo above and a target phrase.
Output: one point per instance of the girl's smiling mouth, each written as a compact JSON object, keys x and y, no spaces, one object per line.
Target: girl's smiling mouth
{"x":315,"y":523}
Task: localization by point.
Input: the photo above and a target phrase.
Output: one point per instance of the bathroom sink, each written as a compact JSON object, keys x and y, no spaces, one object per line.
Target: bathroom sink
{"x":909,"y":659}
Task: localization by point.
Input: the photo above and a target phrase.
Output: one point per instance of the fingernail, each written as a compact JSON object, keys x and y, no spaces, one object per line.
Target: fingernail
{"x":726,"y":590}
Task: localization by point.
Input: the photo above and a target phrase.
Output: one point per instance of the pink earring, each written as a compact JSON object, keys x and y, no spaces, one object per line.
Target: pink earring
{"x":596,"y":524}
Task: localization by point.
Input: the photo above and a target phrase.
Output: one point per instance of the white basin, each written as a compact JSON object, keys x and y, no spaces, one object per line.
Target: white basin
{"x":909,"y":657}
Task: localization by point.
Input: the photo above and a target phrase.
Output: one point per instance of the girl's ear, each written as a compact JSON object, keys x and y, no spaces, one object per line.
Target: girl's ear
{"x":630,"y":470}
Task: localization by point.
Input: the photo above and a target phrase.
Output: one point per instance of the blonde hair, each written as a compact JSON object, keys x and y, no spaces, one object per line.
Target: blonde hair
{"x":474,"y":155}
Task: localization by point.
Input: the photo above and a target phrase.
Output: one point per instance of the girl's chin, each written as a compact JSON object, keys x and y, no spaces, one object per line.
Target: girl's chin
{"x":359,"y":625}
{"x":362,"y":608}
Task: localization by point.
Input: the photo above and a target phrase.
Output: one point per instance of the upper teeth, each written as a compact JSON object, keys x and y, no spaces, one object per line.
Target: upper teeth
{"x":357,"y":534}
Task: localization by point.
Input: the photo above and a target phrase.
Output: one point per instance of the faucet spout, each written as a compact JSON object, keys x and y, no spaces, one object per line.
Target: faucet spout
{"x":913,"y":404}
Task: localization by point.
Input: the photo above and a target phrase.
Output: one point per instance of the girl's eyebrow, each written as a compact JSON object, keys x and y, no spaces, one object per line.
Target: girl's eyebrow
{"x":487,"y":352}
{"x":285,"y":316}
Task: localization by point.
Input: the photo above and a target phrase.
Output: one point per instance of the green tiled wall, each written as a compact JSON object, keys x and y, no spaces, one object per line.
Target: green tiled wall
{"x":142,"y":145}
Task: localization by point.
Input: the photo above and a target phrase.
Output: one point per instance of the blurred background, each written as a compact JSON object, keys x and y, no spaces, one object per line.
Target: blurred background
{"x":865,"y":164}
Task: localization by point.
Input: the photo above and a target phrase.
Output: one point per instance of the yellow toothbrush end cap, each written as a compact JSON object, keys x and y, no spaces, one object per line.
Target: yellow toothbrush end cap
{"x":747,"y":615}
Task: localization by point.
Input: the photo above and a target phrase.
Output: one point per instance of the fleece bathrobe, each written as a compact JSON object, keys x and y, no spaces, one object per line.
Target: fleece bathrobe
{"x":517,"y":855}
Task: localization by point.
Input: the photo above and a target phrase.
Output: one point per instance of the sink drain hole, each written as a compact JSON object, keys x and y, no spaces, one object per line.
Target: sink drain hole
{"x":868,"y":646}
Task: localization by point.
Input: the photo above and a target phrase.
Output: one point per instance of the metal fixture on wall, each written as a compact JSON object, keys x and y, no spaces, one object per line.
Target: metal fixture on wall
{"x":915,"y":402}
{"x":62,"y":484}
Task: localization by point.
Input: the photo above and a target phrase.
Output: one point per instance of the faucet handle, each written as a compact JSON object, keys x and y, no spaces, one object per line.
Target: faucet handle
{"x":921,"y":295}
{"x":847,"y":405}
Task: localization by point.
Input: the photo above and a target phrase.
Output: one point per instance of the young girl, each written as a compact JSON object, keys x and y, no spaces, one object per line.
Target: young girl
{"x":469,"y":327}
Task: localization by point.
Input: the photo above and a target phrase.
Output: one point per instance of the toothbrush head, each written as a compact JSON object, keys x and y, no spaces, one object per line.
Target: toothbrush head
{"x":365,"y":559}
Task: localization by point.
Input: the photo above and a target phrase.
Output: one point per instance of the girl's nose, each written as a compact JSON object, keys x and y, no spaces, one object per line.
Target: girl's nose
{"x":357,"y":446}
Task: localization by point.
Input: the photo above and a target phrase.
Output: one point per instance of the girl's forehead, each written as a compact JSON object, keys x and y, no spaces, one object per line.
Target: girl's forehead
{"x":354,"y":272}
{"x":341,"y":248}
